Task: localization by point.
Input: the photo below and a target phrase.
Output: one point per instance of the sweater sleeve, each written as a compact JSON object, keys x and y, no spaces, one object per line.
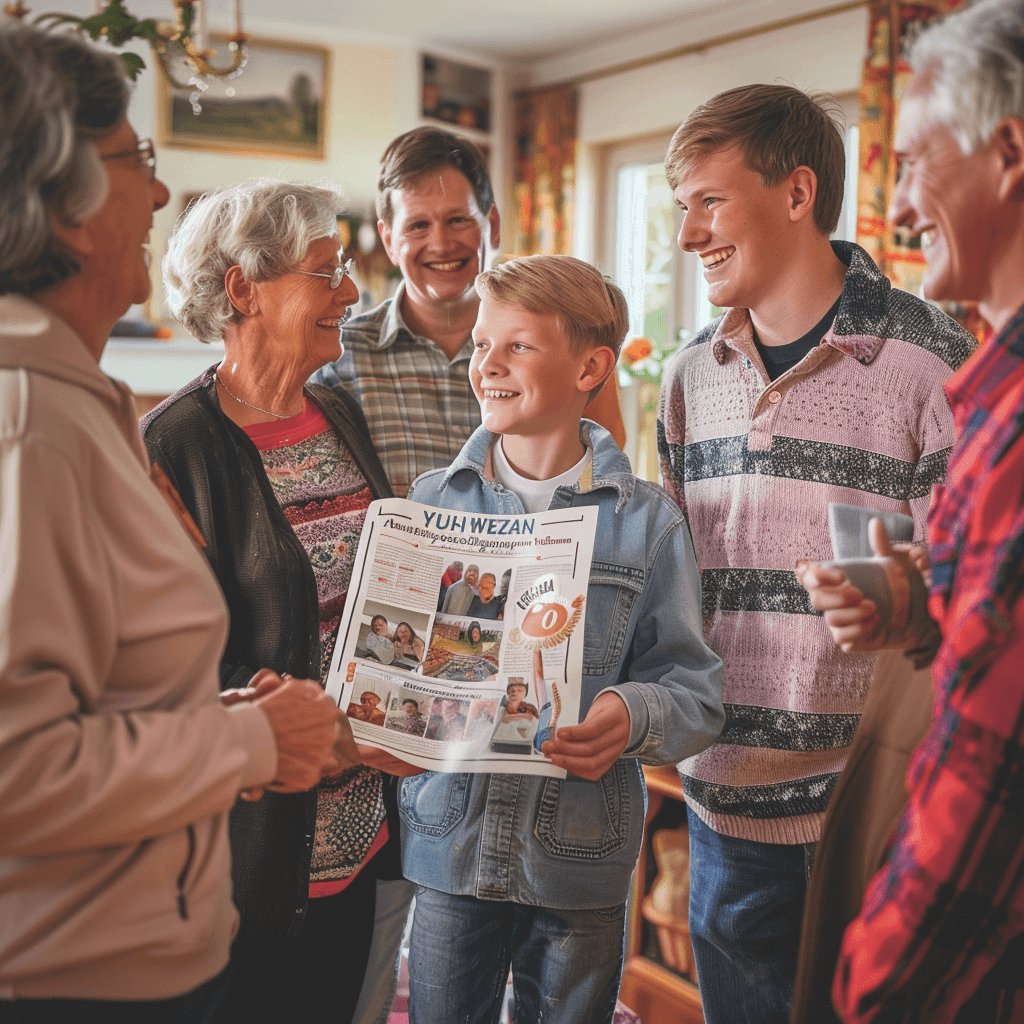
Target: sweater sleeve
{"x":935,"y":436}
{"x":82,"y":765}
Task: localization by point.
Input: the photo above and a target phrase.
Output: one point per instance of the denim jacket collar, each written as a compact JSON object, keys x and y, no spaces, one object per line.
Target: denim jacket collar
{"x":608,"y":467}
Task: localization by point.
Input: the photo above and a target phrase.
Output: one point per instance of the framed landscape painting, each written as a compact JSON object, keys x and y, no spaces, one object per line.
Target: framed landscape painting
{"x":276,"y":107}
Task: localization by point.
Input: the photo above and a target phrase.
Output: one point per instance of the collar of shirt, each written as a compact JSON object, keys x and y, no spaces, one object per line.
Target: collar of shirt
{"x":983,"y":380}
{"x":861,"y":306}
{"x":393,"y":325}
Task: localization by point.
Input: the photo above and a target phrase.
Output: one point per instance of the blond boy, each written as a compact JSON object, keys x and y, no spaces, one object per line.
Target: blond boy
{"x":530,"y":871}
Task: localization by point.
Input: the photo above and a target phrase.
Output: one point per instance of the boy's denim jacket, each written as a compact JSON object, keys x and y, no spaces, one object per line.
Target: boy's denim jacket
{"x":572,"y":844}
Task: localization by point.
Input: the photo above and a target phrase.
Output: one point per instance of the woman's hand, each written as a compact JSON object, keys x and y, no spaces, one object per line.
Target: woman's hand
{"x":305,"y":724}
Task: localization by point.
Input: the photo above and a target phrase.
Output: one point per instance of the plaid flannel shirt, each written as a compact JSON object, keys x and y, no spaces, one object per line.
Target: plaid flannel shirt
{"x":940,"y":936}
{"x":419,"y":406}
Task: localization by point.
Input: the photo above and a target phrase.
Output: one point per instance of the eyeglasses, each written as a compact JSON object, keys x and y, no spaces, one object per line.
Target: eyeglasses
{"x":341,"y":271}
{"x":143,"y":153}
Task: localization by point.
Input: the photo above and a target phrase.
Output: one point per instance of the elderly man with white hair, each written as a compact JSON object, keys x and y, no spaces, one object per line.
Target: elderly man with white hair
{"x":940,"y":936}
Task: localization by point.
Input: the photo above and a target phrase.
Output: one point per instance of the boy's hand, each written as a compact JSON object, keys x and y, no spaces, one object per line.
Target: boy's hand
{"x":592,"y":747}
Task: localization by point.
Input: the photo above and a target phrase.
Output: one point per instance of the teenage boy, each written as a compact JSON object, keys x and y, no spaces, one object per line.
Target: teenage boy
{"x":819,"y":384}
{"x":407,"y":360}
{"x":528,"y":870}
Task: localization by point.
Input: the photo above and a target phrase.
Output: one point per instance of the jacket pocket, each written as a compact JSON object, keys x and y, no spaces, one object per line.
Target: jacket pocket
{"x":581,"y":820}
{"x":433,"y":803}
{"x":611,"y":593}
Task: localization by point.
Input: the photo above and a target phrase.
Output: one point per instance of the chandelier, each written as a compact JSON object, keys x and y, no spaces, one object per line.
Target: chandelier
{"x":183,"y":41}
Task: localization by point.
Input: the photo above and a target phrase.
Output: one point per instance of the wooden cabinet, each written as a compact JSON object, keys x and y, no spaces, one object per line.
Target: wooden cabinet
{"x":650,"y":987}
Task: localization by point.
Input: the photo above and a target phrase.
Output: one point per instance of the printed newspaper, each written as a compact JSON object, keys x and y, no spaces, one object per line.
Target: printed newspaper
{"x":461,"y":646}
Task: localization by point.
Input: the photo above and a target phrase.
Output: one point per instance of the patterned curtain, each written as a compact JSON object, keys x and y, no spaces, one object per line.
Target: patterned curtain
{"x":544,"y":170}
{"x":544,"y":194}
{"x":892,"y":28}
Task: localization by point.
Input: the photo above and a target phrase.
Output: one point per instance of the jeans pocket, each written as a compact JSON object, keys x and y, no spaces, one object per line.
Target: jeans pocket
{"x":581,"y":820}
{"x":611,"y":593}
{"x":433,"y":803}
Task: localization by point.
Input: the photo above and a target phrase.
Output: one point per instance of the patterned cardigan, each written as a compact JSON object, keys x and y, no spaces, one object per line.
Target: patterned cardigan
{"x":268,"y":583}
{"x":861,"y":420}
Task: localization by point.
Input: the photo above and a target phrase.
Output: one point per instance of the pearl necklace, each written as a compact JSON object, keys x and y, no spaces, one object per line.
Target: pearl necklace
{"x":266,"y":412}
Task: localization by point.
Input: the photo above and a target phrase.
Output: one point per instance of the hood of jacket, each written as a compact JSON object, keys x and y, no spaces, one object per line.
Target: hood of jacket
{"x":32,"y":338}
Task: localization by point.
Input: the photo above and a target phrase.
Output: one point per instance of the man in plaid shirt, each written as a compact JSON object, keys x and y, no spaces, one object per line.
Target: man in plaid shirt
{"x":407,"y":361}
{"x":940,"y":935}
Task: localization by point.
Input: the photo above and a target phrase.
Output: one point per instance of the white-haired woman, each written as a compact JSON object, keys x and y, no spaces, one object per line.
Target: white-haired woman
{"x":278,"y":475}
{"x":118,"y":765}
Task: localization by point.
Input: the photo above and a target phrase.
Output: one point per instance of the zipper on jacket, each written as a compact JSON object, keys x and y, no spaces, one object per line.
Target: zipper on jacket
{"x":182,"y":903}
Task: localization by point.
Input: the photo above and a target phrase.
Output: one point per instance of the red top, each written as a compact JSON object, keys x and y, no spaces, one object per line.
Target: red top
{"x":936,"y":922}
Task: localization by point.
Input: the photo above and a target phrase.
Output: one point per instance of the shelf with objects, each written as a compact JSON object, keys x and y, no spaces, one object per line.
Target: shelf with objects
{"x":658,"y":979}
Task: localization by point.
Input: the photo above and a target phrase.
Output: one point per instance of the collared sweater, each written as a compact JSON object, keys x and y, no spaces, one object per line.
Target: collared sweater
{"x":861,"y":420}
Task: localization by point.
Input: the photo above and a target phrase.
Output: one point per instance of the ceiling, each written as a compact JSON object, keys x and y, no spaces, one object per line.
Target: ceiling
{"x":521,"y":31}
{"x":513,"y":31}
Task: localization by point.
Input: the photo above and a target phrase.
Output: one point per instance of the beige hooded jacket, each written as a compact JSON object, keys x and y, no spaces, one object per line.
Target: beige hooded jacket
{"x":117,"y":763}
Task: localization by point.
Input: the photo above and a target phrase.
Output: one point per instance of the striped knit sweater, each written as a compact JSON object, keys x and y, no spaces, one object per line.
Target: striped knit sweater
{"x":861,"y":420}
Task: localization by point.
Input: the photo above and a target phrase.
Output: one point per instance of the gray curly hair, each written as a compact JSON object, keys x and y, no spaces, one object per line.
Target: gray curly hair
{"x":977,"y":58}
{"x":264,"y":226}
{"x":58,"y":95}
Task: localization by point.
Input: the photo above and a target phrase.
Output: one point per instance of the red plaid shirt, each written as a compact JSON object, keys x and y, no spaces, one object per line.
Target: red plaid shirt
{"x":940,"y":936}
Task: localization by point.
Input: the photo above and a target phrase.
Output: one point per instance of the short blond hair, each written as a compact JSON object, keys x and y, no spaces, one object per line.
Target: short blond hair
{"x":591,"y":309}
{"x":777,"y":128}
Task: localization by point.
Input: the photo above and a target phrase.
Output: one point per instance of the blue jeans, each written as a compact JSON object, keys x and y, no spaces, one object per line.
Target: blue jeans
{"x":566,"y":964}
{"x":746,"y":907}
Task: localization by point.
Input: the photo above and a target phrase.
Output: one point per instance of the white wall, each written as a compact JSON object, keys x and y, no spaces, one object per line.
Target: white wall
{"x":824,"y":54}
{"x":374,"y":96}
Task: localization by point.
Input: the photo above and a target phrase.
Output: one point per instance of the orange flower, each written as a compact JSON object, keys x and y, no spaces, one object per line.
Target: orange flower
{"x":637,"y":349}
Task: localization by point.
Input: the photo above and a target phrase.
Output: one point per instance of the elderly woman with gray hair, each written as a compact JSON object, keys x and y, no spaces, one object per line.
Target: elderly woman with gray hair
{"x":278,"y":475}
{"x":118,"y":764}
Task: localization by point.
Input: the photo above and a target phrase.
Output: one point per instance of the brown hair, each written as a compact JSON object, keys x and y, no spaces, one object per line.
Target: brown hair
{"x":777,"y":128}
{"x":591,"y":309}
{"x":415,"y":154}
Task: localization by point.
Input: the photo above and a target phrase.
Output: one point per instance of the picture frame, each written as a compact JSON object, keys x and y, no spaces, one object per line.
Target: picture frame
{"x":278,"y":106}
{"x":456,"y":93}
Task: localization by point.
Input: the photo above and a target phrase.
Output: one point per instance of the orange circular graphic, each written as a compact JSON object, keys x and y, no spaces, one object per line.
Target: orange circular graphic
{"x":544,"y":619}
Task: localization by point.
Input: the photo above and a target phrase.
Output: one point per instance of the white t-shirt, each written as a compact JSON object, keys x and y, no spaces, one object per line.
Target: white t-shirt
{"x":534,"y":494}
